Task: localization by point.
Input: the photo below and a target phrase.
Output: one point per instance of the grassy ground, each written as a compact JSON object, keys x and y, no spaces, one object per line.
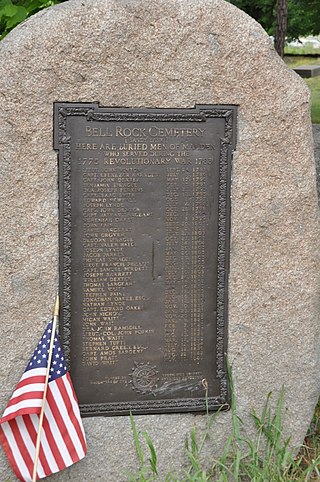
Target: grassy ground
{"x":314,"y":86}
{"x":265,"y":457}
{"x":313,"y":83}
{"x":306,"y":49}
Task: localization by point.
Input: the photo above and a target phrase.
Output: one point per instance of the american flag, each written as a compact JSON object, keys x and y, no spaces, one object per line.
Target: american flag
{"x":62,"y":438}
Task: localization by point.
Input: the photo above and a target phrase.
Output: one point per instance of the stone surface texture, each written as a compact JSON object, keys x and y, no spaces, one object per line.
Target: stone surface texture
{"x":169,"y":53}
{"x":316,"y":138}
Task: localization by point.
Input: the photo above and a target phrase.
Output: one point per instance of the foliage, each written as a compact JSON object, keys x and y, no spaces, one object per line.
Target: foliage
{"x":265,"y":457}
{"x":303,"y":15}
{"x":264,"y":11}
{"x":144,"y":474}
{"x":303,"y":18}
{"x":13,"y":12}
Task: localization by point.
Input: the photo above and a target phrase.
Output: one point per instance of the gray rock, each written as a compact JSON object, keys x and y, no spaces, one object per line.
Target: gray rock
{"x":169,"y":53}
{"x":316,"y":140}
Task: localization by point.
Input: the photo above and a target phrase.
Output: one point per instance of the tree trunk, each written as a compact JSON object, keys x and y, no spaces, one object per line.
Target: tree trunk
{"x":281,"y":28}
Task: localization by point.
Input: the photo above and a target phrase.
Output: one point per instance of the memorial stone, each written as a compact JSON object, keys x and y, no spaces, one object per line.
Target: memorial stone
{"x":135,"y":57}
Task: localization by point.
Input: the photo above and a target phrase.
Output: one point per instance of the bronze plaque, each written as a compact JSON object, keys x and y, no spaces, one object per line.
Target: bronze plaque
{"x":144,"y":252}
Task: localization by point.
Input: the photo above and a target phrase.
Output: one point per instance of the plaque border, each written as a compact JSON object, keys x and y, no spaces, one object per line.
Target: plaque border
{"x":62,"y":143}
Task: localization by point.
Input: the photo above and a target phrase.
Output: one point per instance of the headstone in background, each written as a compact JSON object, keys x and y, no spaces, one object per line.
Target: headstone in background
{"x":170,"y":54}
{"x":307,"y":71}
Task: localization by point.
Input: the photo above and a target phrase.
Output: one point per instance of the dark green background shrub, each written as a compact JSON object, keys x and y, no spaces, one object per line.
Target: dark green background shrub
{"x":12,"y":12}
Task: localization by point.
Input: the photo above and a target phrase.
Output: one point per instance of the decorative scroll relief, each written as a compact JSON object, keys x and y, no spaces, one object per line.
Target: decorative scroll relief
{"x":144,"y":254}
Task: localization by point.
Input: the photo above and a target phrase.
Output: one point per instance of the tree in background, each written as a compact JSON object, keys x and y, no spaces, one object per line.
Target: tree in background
{"x":281,"y":26}
{"x":260,"y":10}
{"x":303,"y":17}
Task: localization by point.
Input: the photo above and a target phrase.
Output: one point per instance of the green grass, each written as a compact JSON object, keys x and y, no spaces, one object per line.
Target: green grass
{"x":314,"y":86}
{"x":266,"y":457}
{"x":313,"y":83}
{"x":298,"y":60}
{"x":306,"y":49}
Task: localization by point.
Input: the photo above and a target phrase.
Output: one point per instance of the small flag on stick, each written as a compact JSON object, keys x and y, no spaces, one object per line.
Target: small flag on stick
{"x":41,"y":429}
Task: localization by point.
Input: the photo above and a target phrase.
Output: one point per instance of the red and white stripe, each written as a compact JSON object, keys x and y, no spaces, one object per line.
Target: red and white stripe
{"x":62,"y":440}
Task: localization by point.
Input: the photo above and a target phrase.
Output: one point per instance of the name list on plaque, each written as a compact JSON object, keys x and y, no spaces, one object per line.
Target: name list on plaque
{"x":144,"y":249}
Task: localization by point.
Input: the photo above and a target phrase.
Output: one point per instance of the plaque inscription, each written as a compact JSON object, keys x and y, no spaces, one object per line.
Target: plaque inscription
{"x":144,"y":251}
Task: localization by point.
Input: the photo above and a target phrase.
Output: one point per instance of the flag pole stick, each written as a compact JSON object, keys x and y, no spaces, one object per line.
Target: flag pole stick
{"x":54,"y":325}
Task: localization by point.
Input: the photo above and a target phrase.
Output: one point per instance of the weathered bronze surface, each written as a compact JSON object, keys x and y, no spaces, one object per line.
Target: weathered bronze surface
{"x":144,"y":237}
